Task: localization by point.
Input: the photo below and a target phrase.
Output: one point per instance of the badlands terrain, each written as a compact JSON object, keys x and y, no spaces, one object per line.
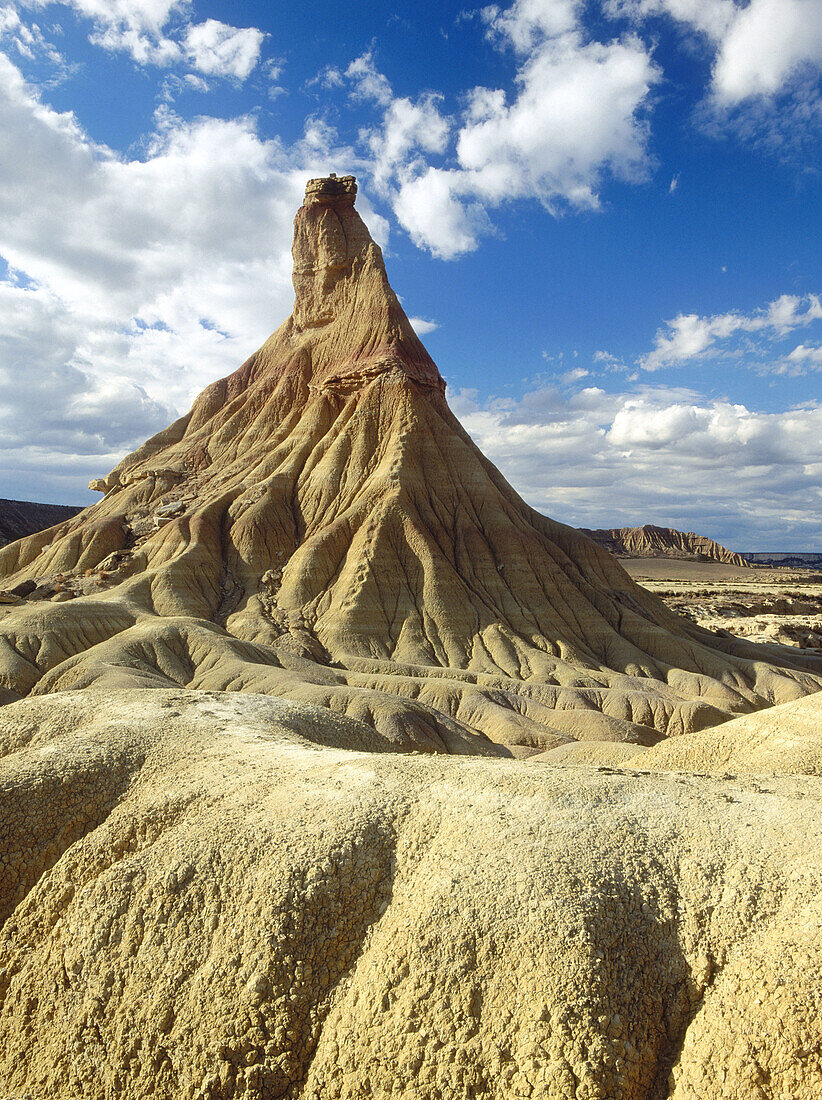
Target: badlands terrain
{"x":330,"y":769}
{"x":782,"y":605}
{"x":649,"y":541}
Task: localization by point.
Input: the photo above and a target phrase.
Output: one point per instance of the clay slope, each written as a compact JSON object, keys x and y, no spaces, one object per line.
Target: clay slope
{"x":785,"y":740}
{"x":19,"y":518}
{"x":320,"y":527}
{"x":649,"y":541}
{"x":210,"y":903}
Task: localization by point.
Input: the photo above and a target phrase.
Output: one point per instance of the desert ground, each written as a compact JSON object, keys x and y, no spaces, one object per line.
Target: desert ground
{"x":782,"y":606}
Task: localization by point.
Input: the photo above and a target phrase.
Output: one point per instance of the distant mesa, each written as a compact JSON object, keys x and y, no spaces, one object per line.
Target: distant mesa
{"x":320,"y":527}
{"x":19,"y":518}
{"x":794,"y":559}
{"x":649,"y":541}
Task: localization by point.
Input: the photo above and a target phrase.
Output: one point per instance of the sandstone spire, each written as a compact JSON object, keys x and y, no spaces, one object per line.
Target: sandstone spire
{"x":320,"y":527}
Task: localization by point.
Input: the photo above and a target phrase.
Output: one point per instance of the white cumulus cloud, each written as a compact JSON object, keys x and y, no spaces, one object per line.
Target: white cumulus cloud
{"x":366,"y":80}
{"x":133,"y":282}
{"x":160,"y":32}
{"x":690,"y":336}
{"x":805,"y":356}
{"x":575,"y":115}
{"x":758,"y":46}
{"x":767,"y":42}
{"x":565,"y":452}
{"x":432,"y":209}
{"x":217,"y":49}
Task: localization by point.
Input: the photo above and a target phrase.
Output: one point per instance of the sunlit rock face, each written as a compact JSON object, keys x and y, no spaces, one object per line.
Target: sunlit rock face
{"x":249,"y":845}
{"x":223,"y":895}
{"x":320,"y":527}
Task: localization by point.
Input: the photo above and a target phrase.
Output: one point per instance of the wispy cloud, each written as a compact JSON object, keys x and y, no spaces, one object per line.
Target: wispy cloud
{"x":423,"y":327}
{"x":160,"y":32}
{"x":689,"y":337}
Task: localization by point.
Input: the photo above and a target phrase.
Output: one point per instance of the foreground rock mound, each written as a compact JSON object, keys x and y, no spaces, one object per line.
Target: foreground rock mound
{"x":320,"y":527}
{"x":209,"y":902}
{"x":785,"y":740}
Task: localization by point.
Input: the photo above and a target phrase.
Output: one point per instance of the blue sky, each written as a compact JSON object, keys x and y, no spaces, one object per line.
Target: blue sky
{"x":603,"y":216}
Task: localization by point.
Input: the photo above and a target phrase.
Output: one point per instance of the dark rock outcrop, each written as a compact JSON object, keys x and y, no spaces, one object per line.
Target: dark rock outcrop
{"x":19,"y":518}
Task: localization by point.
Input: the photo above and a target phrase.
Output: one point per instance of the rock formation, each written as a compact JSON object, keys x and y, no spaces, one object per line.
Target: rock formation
{"x":255,"y":890}
{"x":19,"y":518}
{"x":320,"y":527}
{"x":662,"y":542}
{"x":209,"y":902}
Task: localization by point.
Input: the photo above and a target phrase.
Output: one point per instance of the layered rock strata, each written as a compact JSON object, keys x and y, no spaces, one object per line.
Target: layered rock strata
{"x":320,"y":527}
{"x":649,"y":541}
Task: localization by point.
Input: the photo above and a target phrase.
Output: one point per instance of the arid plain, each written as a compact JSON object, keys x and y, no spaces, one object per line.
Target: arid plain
{"x":782,"y":606}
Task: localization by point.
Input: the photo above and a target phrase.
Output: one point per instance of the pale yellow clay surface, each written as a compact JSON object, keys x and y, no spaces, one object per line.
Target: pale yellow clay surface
{"x":224,"y":896}
{"x":590,"y":752}
{"x":783,"y":740}
{"x":320,"y":528}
